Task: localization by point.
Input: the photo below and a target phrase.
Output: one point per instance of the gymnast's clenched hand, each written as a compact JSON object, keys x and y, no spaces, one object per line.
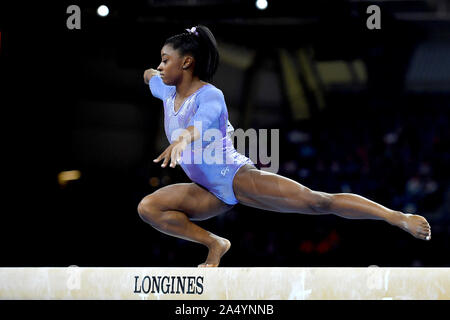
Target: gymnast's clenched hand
{"x":149,"y":73}
{"x":172,"y":153}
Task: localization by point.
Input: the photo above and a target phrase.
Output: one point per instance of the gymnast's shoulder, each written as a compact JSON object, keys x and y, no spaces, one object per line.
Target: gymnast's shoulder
{"x":210,"y":91}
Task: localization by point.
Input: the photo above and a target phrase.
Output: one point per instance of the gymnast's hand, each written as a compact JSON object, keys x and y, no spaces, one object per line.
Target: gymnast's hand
{"x":172,"y":153}
{"x":148,"y":74}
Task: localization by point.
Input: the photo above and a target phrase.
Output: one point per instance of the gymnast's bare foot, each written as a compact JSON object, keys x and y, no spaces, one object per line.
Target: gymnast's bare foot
{"x":216,"y":251}
{"x":414,"y":224}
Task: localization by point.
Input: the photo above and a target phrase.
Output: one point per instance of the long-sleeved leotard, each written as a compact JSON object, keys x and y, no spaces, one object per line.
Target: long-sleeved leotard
{"x":211,"y":161}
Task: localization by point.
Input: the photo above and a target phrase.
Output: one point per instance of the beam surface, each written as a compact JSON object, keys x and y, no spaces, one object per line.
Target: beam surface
{"x":372,"y":283}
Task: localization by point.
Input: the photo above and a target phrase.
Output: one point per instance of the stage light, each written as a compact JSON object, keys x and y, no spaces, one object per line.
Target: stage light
{"x":261,"y":4}
{"x":154,"y":181}
{"x":103,"y":11}
{"x":65,"y":176}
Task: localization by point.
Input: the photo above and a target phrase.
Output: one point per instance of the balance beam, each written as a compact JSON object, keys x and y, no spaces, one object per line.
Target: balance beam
{"x":372,"y":283}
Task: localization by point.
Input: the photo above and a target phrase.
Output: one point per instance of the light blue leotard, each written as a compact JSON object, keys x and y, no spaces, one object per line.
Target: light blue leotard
{"x":206,"y":110}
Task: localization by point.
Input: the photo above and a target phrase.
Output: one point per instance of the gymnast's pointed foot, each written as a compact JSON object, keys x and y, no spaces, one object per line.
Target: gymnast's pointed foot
{"x":416,"y":225}
{"x":216,"y":251}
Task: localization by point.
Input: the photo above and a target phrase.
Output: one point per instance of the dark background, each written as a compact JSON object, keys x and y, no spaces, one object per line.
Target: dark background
{"x":372,"y":119}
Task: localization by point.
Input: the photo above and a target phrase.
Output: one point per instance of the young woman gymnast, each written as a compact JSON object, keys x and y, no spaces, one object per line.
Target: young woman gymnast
{"x":192,"y":106}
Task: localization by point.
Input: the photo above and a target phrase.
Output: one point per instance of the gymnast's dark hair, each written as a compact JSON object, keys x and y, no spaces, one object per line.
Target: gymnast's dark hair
{"x":203,"y":47}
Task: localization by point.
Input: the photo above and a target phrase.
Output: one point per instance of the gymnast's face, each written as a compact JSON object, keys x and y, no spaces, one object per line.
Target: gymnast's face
{"x":173,"y":65}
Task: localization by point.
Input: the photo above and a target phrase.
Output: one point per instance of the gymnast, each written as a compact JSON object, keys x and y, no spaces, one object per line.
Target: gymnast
{"x":192,"y":105}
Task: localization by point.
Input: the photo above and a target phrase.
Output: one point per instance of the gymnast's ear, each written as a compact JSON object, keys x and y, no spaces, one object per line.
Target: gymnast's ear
{"x":188,"y":61}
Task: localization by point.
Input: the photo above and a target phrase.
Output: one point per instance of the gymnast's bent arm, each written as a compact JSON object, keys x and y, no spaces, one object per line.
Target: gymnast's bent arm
{"x":148,"y":74}
{"x":211,"y":107}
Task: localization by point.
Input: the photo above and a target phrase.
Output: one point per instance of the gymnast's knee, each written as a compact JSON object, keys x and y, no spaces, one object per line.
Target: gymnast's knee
{"x":320,"y":202}
{"x":148,"y":210}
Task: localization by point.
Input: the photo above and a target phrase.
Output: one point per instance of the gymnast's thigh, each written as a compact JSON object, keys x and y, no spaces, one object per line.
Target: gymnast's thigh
{"x":190,"y":198}
{"x":269,"y":191}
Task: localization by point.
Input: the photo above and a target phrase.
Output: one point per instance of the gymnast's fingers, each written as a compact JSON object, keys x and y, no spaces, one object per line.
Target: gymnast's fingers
{"x":173,"y":158}
{"x":166,"y":160}
{"x":158,"y":158}
{"x":164,"y":156}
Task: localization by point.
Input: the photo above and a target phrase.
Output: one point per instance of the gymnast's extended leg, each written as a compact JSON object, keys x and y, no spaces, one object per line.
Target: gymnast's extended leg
{"x":171,"y":209}
{"x":269,"y":191}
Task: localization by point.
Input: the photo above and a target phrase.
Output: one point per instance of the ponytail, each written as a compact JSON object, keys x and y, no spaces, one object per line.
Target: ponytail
{"x":201,"y":44}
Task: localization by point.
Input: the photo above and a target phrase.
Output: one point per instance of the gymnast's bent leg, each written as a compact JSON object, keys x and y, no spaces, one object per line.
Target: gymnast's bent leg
{"x":170,"y":210}
{"x":270,"y":191}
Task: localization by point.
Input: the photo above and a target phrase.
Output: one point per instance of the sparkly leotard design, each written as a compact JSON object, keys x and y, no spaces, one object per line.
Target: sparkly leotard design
{"x":206,"y":110}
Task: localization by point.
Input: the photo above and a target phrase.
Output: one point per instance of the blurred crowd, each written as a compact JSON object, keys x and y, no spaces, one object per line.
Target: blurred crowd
{"x":402,"y":164}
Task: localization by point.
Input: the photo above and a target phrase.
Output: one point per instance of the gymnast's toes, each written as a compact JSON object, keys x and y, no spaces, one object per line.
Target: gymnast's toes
{"x":416,"y":225}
